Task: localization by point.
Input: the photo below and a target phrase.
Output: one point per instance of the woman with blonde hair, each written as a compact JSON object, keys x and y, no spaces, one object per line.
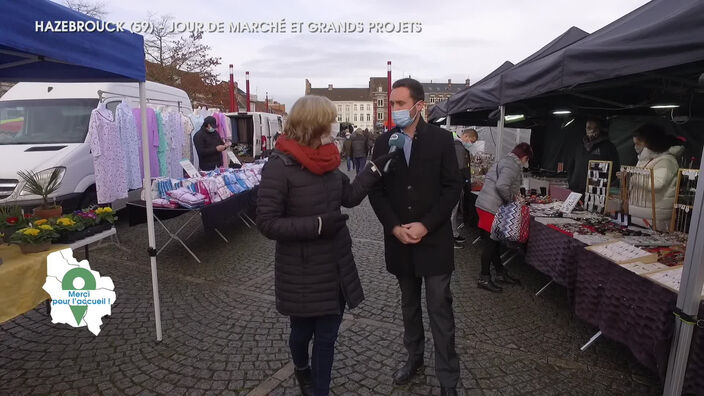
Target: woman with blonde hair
{"x":298,"y":206}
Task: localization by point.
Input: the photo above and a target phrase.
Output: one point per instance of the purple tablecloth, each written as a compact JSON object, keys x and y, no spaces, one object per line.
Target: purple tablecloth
{"x":626,"y":307}
{"x":553,"y":253}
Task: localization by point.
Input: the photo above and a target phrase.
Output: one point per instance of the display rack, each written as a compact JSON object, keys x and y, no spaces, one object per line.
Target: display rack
{"x":684,"y":200}
{"x":637,"y":186}
{"x":596,"y":194}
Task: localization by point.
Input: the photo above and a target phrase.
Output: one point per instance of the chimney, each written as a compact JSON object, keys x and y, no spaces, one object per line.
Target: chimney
{"x":307,"y":87}
{"x":449,"y":82}
{"x":466,"y":82}
{"x":329,"y":87}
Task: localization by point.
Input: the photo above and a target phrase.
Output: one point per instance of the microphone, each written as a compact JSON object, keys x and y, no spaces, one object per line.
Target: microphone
{"x":396,"y":141}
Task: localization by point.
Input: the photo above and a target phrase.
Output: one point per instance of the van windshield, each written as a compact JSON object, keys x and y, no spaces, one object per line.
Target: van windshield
{"x":45,"y":120}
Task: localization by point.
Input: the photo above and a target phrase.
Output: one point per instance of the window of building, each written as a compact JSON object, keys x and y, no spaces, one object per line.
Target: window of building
{"x":378,"y":89}
{"x":347,"y":118}
{"x":339,"y":108}
{"x":380,"y":102}
{"x":339,"y":118}
{"x":380,"y":116}
{"x":369,"y":117}
{"x":355,"y":107}
{"x":369,"y":107}
{"x":355,"y":118}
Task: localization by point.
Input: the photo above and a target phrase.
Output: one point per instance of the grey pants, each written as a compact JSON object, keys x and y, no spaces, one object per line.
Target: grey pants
{"x":442,"y":323}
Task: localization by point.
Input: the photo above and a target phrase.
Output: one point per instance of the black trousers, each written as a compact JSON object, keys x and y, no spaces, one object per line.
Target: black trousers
{"x":491,"y":254}
{"x":469,"y":214}
{"x":442,"y":323}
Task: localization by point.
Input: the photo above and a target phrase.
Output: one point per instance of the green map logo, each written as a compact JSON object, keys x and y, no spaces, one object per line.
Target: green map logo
{"x":79,"y":296}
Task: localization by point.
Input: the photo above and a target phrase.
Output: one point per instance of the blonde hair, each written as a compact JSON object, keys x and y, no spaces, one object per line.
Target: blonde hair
{"x":310,"y":118}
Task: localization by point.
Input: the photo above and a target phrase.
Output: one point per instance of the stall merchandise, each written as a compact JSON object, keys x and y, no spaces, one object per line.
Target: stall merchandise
{"x":108,"y":156}
{"x":598,"y":185}
{"x":684,"y":200}
{"x":622,"y":253}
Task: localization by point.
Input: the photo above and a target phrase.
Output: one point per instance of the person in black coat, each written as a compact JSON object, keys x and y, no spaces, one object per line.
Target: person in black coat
{"x":596,"y":146}
{"x":209,"y":145}
{"x":413,"y":203}
{"x":298,"y":206}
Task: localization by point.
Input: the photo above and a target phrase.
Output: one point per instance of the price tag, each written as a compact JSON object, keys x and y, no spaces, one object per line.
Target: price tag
{"x":570,"y":202}
{"x":189,"y":168}
{"x":233,"y":157}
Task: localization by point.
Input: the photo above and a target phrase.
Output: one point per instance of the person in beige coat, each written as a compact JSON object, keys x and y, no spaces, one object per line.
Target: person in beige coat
{"x":657,"y":151}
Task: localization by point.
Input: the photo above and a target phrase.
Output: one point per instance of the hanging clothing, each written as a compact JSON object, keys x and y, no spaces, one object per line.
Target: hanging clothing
{"x":197,"y":121}
{"x":222,"y":131}
{"x":129,"y":138}
{"x":188,"y":130}
{"x":175,"y":131}
{"x":153,"y":137}
{"x":163,"y":148}
{"x":108,"y":158}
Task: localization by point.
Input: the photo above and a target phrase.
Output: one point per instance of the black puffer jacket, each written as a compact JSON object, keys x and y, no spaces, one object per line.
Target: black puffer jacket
{"x":310,"y":271}
{"x":206,"y":142}
{"x":359,"y":146}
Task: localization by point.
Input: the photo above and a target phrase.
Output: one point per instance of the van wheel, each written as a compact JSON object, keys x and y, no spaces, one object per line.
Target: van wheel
{"x":89,"y":198}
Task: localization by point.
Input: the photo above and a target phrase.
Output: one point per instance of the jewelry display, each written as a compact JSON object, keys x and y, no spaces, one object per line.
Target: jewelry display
{"x":684,"y":200}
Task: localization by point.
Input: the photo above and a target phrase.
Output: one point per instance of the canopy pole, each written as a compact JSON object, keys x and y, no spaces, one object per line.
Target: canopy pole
{"x":447,"y":120}
{"x":689,"y":295}
{"x":147,"y":188}
{"x":502,"y":110}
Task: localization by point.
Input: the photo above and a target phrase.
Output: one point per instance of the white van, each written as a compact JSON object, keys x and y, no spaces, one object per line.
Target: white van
{"x":256,"y":130}
{"x":44,"y":126}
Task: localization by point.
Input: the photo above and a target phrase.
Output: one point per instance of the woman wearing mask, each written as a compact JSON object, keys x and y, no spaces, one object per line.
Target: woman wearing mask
{"x":657,"y":151}
{"x":209,"y":145}
{"x":501,"y":186}
{"x":298,"y":206}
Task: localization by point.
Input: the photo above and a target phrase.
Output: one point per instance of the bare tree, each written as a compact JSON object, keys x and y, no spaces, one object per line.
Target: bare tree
{"x":95,"y":9}
{"x":178,"y":52}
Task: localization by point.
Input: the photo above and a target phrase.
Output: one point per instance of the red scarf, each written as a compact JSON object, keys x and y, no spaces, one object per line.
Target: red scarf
{"x":318,"y":161}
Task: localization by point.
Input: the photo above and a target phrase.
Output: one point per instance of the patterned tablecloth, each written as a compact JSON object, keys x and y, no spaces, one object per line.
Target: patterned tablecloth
{"x":626,"y":307}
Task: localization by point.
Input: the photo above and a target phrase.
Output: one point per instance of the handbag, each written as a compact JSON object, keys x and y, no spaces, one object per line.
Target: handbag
{"x":511,"y":223}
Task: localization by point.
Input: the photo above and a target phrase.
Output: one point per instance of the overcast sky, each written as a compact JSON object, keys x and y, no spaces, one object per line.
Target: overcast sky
{"x":460,"y":39}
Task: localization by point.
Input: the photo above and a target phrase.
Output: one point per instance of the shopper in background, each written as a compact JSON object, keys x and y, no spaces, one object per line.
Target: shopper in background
{"x":298,"y":205}
{"x":347,"y":151}
{"x":502,"y":185}
{"x":358,"y":149}
{"x":463,"y":163}
{"x":209,"y":145}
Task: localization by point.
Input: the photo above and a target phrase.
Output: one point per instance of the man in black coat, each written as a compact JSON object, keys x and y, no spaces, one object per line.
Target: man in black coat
{"x":596,"y":146}
{"x":413,"y":204}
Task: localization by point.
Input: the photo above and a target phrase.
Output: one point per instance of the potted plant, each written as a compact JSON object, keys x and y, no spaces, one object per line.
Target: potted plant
{"x":88,"y":219}
{"x":43,"y":184}
{"x":11,"y":220}
{"x":106,"y":217}
{"x":34,"y":239}
{"x":69,"y":229}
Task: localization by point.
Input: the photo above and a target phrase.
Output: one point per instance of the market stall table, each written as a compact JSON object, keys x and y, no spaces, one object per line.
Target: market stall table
{"x":634,"y":311}
{"x":213,"y":216}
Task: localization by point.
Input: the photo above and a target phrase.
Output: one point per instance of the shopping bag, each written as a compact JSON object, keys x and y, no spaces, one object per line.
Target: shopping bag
{"x":511,"y":223}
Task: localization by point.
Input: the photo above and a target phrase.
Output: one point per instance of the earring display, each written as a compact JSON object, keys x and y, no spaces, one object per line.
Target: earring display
{"x":669,"y":278}
{"x":621,"y":252}
{"x":644,"y":268}
{"x":596,"y":194}
{"x":684,"y":200}
{"x":637,"y":189}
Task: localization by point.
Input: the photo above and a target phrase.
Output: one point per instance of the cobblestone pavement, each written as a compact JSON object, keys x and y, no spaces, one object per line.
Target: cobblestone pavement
{"x":222,"y":334}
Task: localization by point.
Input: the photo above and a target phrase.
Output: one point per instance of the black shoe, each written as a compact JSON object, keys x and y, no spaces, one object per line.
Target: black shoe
{"x":458,"y":245}
{"x":486,"y":283}
{"x":460,"y":239}
{"x":305,"y":381}
{"x":448,"y":391}
{"x":406,"y":373}
{"x":504,"y":277}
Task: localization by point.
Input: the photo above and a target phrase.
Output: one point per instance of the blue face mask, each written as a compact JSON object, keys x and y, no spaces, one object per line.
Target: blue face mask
{"x":467,"y":145}
{"x":210,"y":129}
{"x":403,"y":118}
